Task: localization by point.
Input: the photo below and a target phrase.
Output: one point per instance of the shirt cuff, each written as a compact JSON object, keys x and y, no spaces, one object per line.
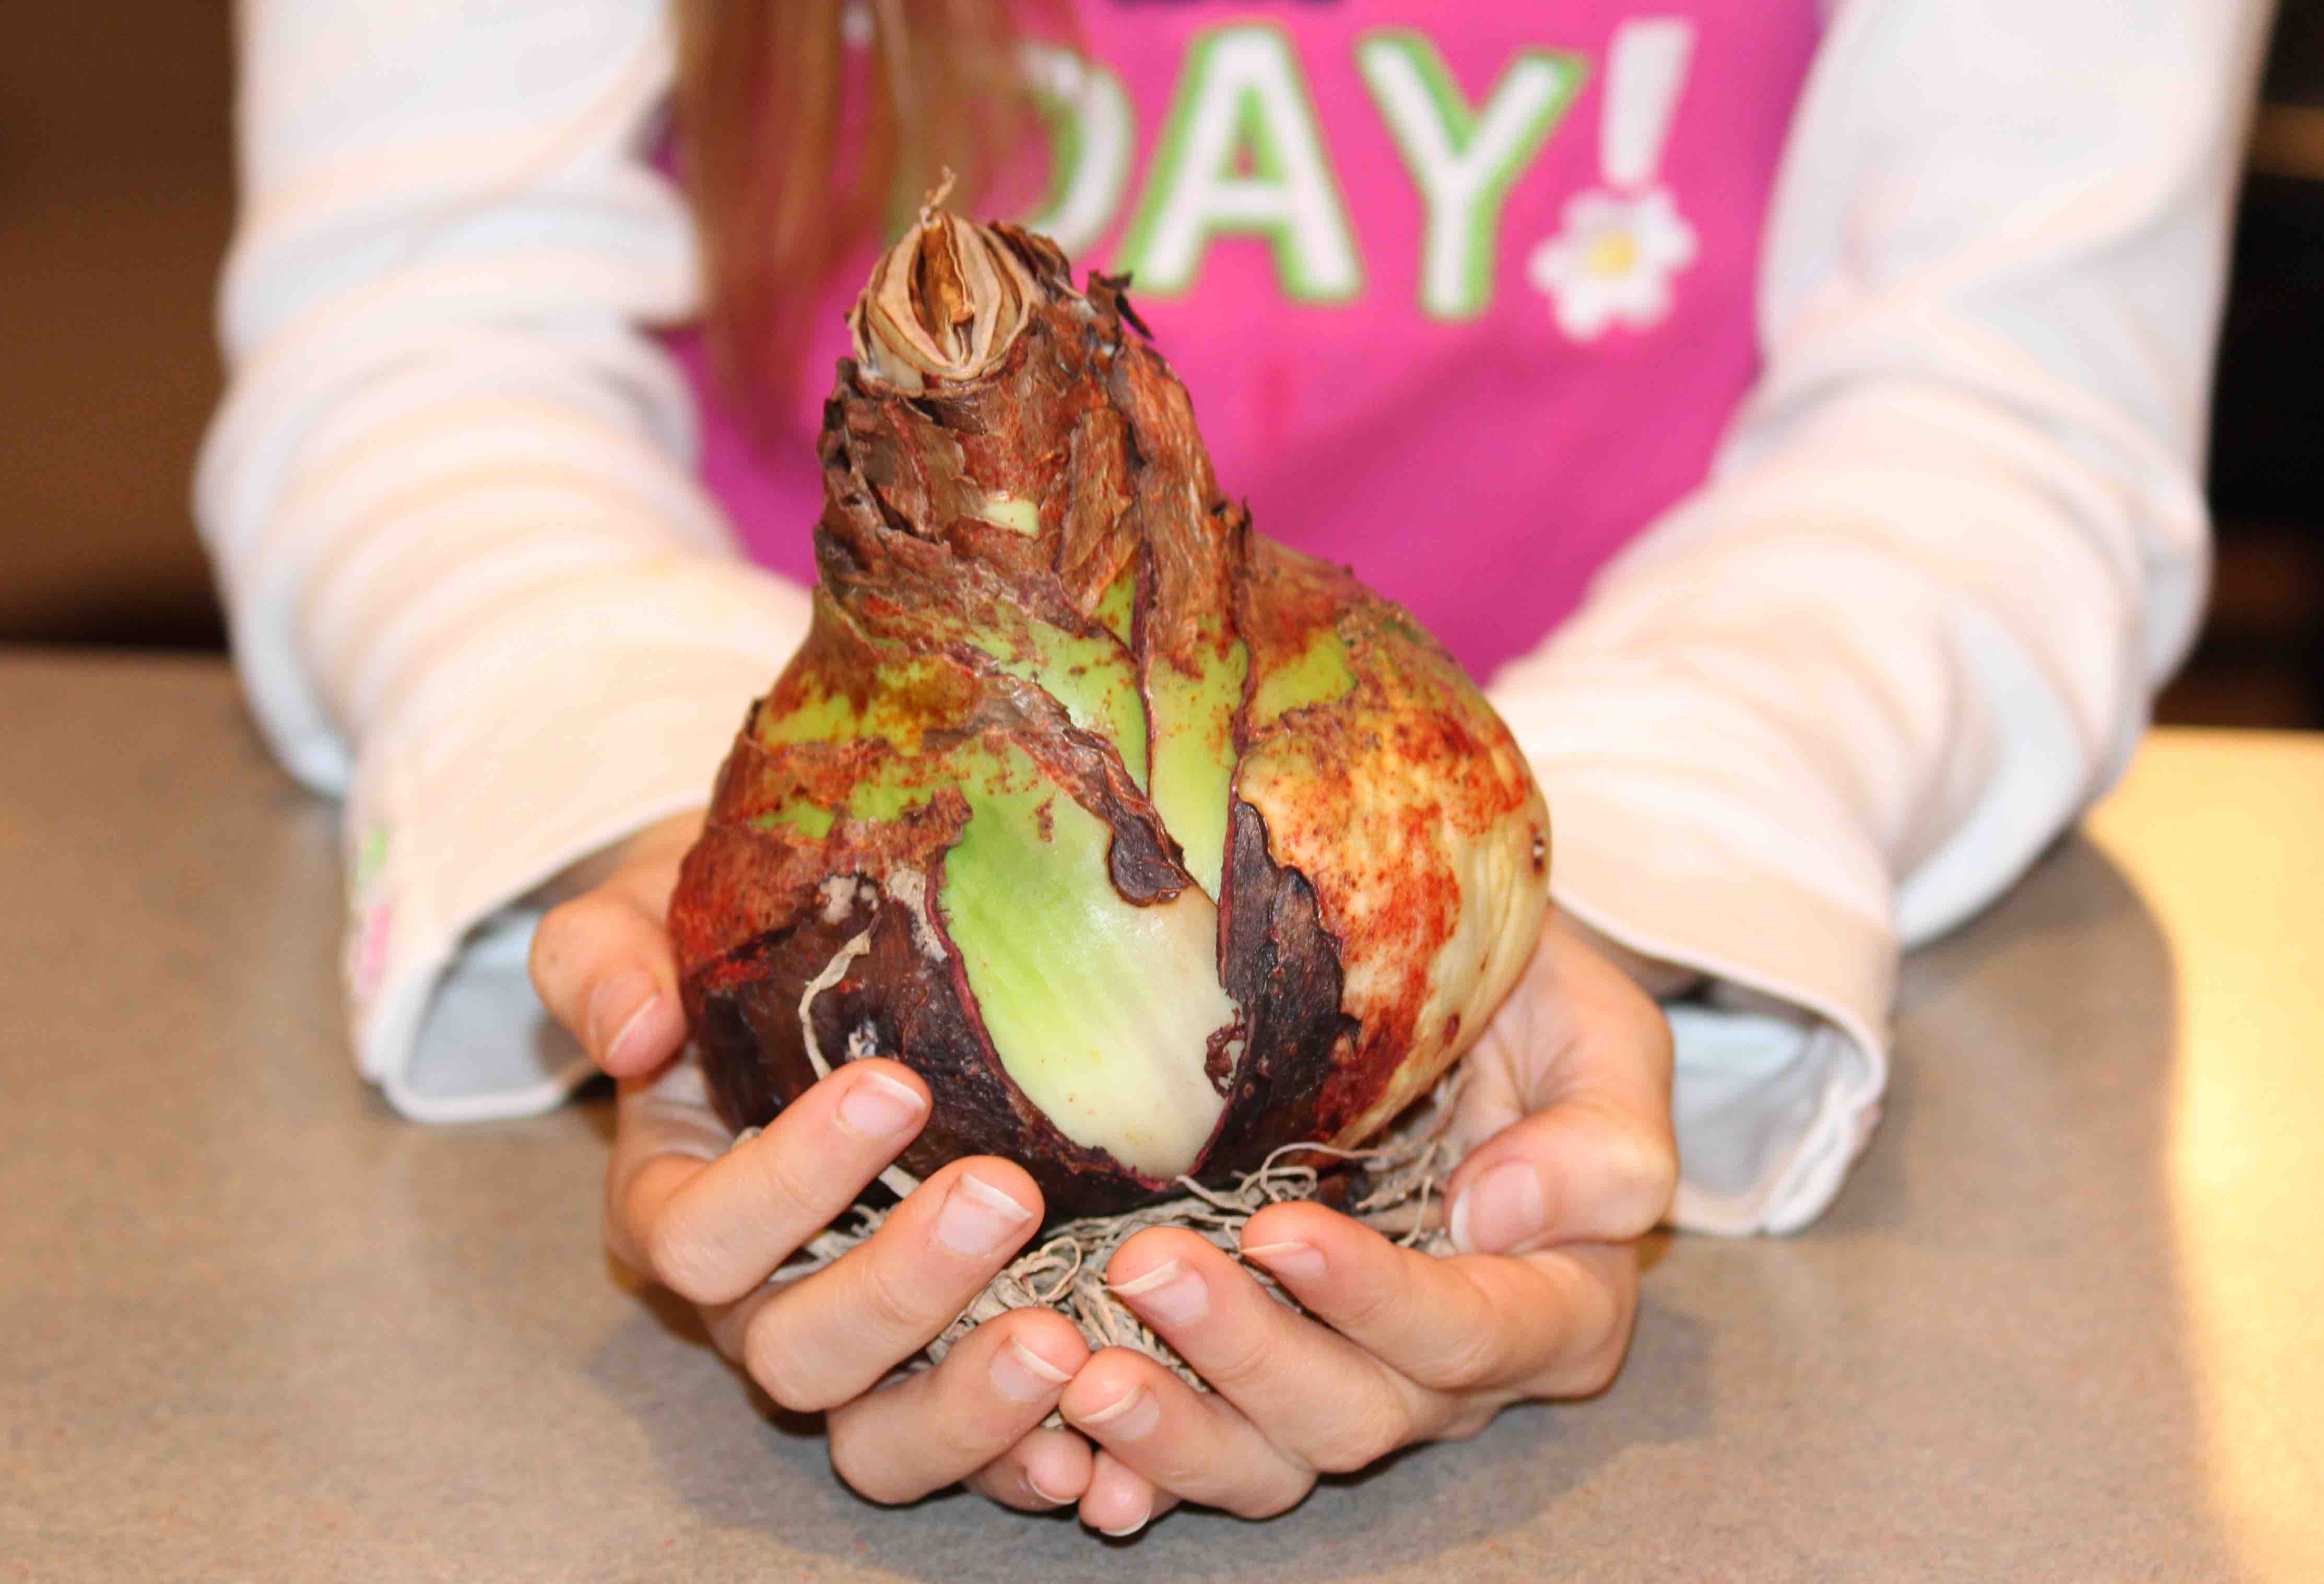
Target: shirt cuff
{"x":569,"y":731}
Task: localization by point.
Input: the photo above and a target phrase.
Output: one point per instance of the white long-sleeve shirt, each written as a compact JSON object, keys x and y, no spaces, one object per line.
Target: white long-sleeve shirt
{"x":1826,"y":707}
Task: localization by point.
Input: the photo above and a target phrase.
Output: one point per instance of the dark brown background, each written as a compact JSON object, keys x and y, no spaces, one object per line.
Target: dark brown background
{"x":116,"y":194}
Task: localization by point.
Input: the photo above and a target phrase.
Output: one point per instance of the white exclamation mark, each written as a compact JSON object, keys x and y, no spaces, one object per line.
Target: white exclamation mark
{"x":1620,"y":244}
{"x":1645,"y":68}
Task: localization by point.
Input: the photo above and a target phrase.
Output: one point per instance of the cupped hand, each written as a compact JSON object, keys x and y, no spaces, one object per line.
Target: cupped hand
{"x":1566,"y":1116}
{"x":712,"y":1222}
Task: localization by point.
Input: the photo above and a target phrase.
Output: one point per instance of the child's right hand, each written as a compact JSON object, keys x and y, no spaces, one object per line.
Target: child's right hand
{"x":712,"y":1222}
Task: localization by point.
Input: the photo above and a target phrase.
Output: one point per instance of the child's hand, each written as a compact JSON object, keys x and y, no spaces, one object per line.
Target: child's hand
{"x":1568,"y":1107}
{"x":711,"y":1223}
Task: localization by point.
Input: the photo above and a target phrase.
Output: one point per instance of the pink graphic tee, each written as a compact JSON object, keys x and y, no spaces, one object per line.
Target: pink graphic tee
{"x":1464,"y":295}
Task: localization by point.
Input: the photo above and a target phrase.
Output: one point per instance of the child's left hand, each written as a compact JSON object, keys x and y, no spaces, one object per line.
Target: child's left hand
{"x":1568,"y":1109}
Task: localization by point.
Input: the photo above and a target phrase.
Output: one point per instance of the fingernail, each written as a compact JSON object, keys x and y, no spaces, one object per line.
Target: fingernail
{"x":879,"y":1107}
{"x":1144,"y":1518}
{"x":1299,"y":1261}
{"x":1052,"y":1497}
{"x":617,"y":1011}
{"x":1499,"y":1211}
{"x":978,"y":1217}
{"x":1126,"y":1420}
{"x":1170,"y":1292}
{"x":1023,"y":1376}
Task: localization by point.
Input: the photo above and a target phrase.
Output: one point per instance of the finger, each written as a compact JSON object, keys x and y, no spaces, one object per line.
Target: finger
{"x":1120,"y":1501}
{"x":1584,"y":1089}
{"x":1314,"y":1394}
{"x":664,"y":1125}
{"x":712,"y":1223}
{"x":826,"y":1338}
{"x":1196,"y":1445}
{"x":1047,"y":1468}
{"x":1584,"y":1170}
{"x":938,"y":1427}
{"x":1551,"y":1324}
{"x":601,"y":965}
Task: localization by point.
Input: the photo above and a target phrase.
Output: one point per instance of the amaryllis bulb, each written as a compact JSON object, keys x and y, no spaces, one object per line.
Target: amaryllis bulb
{"x":1152,"y":845}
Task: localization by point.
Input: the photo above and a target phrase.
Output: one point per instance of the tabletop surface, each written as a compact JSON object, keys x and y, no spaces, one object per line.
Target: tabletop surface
{"x":2063,"y":1322}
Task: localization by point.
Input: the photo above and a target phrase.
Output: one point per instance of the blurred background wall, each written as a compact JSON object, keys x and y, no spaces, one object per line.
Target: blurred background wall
{"x":117,"y":190}
{"x":116,"y":195}
{"x":2261,"y":660}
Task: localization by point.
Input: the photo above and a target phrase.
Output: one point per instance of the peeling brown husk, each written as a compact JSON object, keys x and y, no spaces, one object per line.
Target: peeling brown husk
{"x":999,"y":454}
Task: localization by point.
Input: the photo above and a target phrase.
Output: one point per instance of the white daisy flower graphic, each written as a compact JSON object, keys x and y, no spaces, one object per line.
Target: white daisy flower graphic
{"x":1613,"y":261}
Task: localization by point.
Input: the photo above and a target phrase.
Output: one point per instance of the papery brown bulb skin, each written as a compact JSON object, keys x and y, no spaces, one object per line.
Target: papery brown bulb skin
{"x":1152,"y":845}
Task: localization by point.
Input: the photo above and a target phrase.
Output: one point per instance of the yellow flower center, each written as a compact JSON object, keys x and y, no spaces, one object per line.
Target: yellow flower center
{"x":1612,"y":253}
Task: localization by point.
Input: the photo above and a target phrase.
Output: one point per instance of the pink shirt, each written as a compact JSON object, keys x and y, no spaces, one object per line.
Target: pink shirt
{"x":1462,"y":303}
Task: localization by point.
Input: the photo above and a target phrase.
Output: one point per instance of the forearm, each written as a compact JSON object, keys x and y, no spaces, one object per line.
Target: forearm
{"x":1838,"y":699}
{"x":474,"y":584}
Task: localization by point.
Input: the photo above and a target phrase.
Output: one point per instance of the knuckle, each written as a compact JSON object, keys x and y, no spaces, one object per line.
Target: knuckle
{"x":624,"y":1238}
{"x":1237,"y":1360}
{"x":1634,"y":1171}
{"x":554,"y":933}
{"x":624,"y":1247}
{"x":557,"y":942}
{"x":1615,"y":1345}
{"x":1270,"y":1499}
{"x":1600,"y":1363}
{"x":870,"y":1468}
{"x":679,"y":1258}
{"x":791,"y":1181}
{"x":1468,"y":1424}
{"x":565,"y":929}
{"x":1474,"y":1355}
{"x":1374,"y":1306}
{"x":969,"y":1428}
{"x":1592,"y":1367}
{"x":770,"y":1361}
{"x":540,"y":957}
{"x":1199,"y":1470}
{"x":892,"y":1305}
{"x":1000,"y":1483}
{"x":1380,"y":1429}
{"x":962,"y":1445}
{"x":1651,"y":1162}
{"x":1661,"y":1043}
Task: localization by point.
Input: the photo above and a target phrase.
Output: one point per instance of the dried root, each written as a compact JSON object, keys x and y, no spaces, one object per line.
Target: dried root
{"x":1399,"y":1186}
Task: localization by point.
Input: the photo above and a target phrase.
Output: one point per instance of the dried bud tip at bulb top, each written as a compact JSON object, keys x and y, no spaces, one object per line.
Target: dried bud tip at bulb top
{"x":1151,"y":844}
{"x":944,"y":303}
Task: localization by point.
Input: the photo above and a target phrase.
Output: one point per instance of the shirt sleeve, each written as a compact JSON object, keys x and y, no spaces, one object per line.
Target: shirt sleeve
{"x":472,"y":583}
{"x":1845,"y":693}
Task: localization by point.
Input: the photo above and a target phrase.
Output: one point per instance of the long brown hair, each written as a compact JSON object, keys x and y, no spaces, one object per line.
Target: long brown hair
{"x":795,"y":159}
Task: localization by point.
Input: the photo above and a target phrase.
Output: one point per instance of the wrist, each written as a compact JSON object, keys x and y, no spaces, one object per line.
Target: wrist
{"x":670,"y":836}
{"x":1662,"y":980}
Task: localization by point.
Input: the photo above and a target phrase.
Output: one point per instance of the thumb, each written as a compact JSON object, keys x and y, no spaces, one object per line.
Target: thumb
{"x":1592,"y":1157}
{"x":1577,"y":1173}
{"x":602,"y":964}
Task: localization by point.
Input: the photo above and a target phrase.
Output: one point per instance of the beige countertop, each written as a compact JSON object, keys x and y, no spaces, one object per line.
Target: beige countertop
{"x":2066,"y":1322}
